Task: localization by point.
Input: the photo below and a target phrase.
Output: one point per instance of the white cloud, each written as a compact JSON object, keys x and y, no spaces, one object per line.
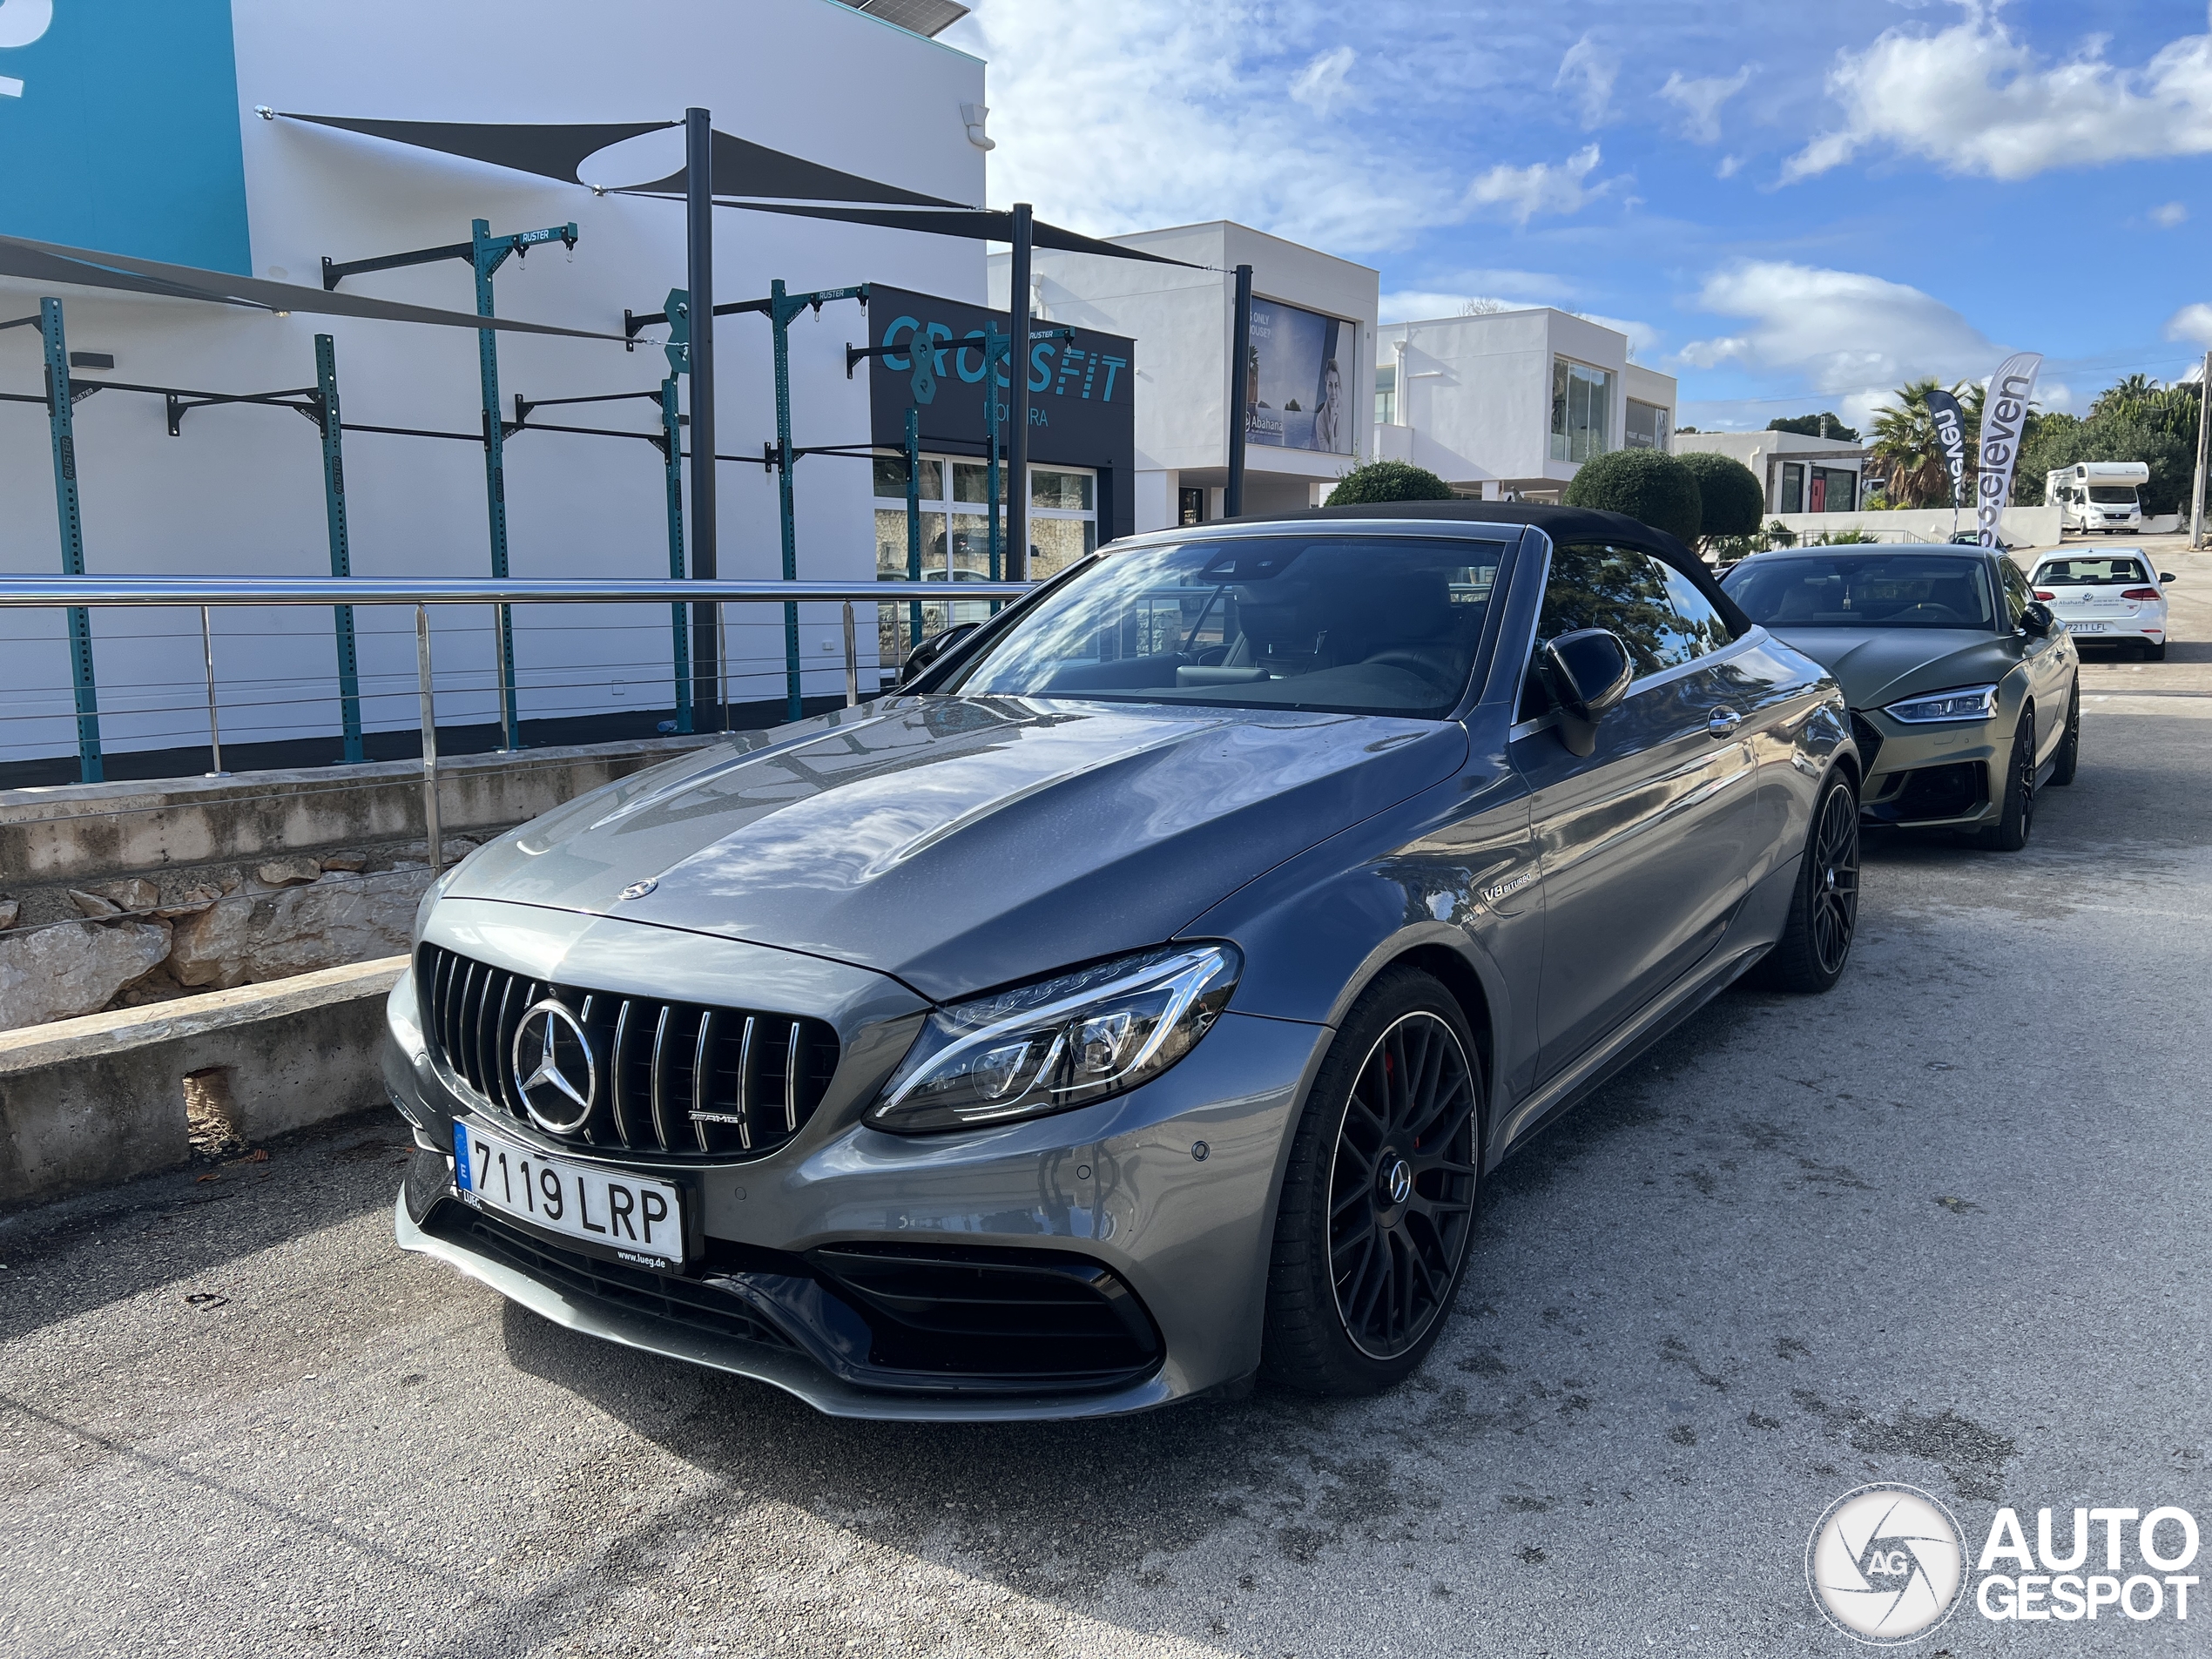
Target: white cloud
{"x":1322,"y":84}
{"x":1593,"y":68}
{"x":1157,"y":112}
{"x":1701,"y":101}
{"x":1540,"y":187}
{"x":2191,"y":323}
{"x":1730,"y":166}
{"x":2167,"y":215}
{"x":1851,"y":337}
{"x":1973,"y":99}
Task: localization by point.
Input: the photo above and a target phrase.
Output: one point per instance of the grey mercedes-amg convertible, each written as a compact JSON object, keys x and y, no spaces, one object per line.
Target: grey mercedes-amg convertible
{"x":1134,"y":1002}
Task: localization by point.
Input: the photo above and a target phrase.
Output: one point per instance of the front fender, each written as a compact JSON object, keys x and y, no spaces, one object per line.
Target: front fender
{"x":1455,"y":869}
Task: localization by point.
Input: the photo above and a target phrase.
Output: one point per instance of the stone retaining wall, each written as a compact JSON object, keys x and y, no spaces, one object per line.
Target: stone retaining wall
{"x":88,"y":1103}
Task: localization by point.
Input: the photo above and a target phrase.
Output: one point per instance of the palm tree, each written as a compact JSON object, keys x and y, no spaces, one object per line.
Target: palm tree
{"x":2124,"y":393}
{"x":1904,"y":441}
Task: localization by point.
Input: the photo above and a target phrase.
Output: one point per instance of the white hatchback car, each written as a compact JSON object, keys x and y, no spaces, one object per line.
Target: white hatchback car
{"x":2114,"y":598}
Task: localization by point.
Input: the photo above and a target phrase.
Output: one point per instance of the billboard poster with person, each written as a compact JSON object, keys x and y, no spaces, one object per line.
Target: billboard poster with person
{"x":1297,"y":380}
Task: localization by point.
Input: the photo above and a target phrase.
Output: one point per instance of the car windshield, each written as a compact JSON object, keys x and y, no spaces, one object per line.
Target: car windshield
{"x":1355,"y":624}
{"x":1864,"y":590}
{"x":2089,"y":573}
{"x":2113,"y":495}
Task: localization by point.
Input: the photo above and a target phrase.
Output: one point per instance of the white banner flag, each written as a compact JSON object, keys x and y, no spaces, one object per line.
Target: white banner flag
{"x":2004,"y":414}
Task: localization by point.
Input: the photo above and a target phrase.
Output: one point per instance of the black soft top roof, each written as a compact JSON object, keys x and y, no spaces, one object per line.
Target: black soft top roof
{"x":1564,"y":525}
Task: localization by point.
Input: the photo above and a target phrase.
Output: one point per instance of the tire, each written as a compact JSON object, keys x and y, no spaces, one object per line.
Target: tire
{"x":2069,"y":760}
{"x":1378,"y":1209}
{"x":2010,"y":832}
{"x":1816,"y":941}
{"x":2155,"y":653}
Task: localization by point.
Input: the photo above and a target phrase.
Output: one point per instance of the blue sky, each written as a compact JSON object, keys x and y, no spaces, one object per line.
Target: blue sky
{"x":1789,"y":207}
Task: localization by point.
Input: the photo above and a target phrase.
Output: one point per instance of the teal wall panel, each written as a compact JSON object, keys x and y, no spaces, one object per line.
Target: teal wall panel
{"x":119,"y":129}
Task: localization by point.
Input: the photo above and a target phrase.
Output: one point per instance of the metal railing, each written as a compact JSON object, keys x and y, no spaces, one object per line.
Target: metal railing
{"x":204,"y":593}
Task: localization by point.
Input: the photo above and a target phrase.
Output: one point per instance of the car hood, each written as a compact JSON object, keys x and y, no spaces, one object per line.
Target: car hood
{"x":961,"y":844}
{"x":1878,"y":665}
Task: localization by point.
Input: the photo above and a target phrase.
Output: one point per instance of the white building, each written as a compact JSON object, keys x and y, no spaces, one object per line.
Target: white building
{"x":1307,"y":380}
{"x":1512,"y":403}
{"x":1800,"y":475}
{"x":139,"y":134}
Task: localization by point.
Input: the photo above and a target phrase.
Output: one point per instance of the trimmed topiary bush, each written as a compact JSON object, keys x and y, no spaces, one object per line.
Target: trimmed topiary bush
{"x":1388,"y":481}
{"x":1729,"y":492}
{"x":1646,"y":484}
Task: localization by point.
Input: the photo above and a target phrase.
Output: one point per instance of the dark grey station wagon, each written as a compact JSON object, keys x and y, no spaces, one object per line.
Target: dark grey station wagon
{"x":1133,"y":1003}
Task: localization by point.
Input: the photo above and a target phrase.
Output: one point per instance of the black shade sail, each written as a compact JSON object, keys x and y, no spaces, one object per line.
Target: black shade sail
{"x":50,"y":262}
{"x":977,"y":225}
{"x":551,"y":150}
{"x":743,"y":168}
{"x":557,"y":150}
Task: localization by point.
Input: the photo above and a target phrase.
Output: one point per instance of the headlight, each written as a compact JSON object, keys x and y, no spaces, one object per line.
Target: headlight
{"x":1967,"y":702}
{"x":1060,"y":1044}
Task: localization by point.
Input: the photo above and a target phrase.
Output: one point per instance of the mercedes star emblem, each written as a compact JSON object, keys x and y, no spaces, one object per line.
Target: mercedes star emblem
{"x":551,"y":1050}
{"x":638,"y":889}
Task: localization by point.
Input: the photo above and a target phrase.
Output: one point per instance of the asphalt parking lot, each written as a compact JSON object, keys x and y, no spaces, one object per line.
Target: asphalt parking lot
{"x":1948,"y":1225}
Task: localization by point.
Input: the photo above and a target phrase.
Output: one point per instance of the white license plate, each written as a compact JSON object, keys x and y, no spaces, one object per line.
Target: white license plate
{"x":632,"y":1216}
{"x":2087,"y":627}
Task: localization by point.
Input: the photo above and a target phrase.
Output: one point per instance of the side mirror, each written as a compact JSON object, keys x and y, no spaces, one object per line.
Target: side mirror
{"x":1587,"y":672}
{"x":2036,"y":620}
{"x":2165,"y":576}
{"x":930,"y":651}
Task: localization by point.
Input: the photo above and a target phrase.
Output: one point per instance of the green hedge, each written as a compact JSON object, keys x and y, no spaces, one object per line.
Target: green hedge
{"x":1381,"y":481}
{"x":1729,"y":492}
{"x":1646,"y":484}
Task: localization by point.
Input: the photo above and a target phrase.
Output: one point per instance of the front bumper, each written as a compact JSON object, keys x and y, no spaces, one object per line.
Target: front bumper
{"x":770,"y":1290}
{"x":1929,"y":776}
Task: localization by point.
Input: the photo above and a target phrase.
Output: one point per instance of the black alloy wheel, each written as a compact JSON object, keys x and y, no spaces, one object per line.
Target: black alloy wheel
{"x":1401,"y":1186}
{"x":1379,"y":1197}
{"x":1816,"y":940}
{"x":2070,"y":756}
{"x":1835,"y":913}
{"x":2010,"y":832}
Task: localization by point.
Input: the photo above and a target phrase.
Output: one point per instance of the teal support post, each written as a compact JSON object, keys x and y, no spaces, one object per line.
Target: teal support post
{"x":487,"y":253}
{"x":60,"y":412}
{"x":914,"y":523}
{"x":781,"y":309}
{"x":671,"y":445}
{"x":341,"y":557}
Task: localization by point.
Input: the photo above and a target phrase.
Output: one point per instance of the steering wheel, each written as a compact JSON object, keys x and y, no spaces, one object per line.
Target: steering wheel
{"x":1412,"y":662}
{"x":1947,"y":613}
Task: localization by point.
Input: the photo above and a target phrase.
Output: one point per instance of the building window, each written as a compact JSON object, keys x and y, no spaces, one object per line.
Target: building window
{"x":1793,"y":487}
{"x":1647,"y":427}
{"x":1834,"y":491}
{"x":1189,"y":506}
{"x":1582,"y":409}
{"x":956,"y":536}
{"x":1386,"y":394}
{"x":1063,"y":519}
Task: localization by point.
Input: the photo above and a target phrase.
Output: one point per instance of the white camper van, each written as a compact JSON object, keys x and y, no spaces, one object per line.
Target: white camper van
{"x":2098,"y":495}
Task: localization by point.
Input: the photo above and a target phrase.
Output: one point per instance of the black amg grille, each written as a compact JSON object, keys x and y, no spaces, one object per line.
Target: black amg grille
{"x":662,"y":1295}
{"x":675,"y":1078}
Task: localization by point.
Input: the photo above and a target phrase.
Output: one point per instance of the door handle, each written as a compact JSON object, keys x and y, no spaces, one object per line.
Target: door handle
{"x":1722,"y":723}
